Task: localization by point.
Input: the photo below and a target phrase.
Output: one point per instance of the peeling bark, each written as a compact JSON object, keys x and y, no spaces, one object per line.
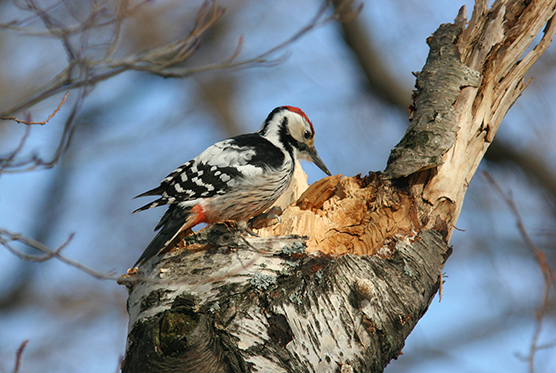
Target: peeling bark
{"x":434,"y":127}
{"x":344,"y":278}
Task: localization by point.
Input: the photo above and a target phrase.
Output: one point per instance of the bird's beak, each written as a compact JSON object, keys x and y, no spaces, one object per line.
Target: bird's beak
{"x":316,"y":160}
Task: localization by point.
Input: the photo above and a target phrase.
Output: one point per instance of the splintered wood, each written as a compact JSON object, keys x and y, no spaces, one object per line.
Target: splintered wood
{"x":349,"y":215}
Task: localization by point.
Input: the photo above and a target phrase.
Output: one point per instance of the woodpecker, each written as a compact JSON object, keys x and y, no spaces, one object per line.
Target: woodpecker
{"x":234,"y":179}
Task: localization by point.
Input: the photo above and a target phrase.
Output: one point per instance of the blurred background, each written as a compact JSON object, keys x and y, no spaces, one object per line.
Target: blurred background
{"x":129,"y":126}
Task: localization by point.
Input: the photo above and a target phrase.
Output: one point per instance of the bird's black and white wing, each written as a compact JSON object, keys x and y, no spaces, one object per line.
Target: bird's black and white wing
{"x":221,"y":167}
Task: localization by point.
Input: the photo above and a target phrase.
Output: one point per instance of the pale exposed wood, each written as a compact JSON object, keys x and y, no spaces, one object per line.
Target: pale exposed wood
{"x":349,"y":215}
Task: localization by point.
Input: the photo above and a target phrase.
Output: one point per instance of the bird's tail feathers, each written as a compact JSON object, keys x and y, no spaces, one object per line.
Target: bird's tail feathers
{"x":158,"y":202}
{"x":153,"y":192}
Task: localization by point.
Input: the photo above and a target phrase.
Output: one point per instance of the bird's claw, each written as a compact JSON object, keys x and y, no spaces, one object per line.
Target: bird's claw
{"x":265,"y":219}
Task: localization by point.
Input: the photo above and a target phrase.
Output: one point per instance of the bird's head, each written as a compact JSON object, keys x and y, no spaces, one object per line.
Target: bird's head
{"x":289,"y":128}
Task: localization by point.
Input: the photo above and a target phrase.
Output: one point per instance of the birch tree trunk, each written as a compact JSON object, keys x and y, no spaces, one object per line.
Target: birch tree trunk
{"x":343,"y":280}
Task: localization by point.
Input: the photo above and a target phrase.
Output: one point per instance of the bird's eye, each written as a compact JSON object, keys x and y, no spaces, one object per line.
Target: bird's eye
{"x":307,"y":135}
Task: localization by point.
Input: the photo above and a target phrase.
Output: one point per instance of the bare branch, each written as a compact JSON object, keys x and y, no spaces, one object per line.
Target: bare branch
{"x":9,"y":165}
{"x":548,"y":274}
{"x":263,"y":59}
{"x":164,"y":61}
{"x":5,"y":162}
{"x":120,"y":15}
{"x":18,"y":355}
{"x":6,"y":237}
{"x":238,"y":50}
{"x":52,"y":23}
{"x":100,"y":17}
{"x":44,"y":121}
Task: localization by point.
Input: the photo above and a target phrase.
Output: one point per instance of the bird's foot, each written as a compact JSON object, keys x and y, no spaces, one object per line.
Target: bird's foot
{"x":245,"y":229}
{"x":266,"y":218}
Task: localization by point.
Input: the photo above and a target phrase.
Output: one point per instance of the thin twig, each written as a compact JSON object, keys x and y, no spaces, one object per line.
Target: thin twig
{"x":102,"y":18}
{"x":67,"y":134}
{"x":18,"y":355}
{"x":44,"y":121}
{"x":7,"y":236}
{"x":4,"y":163}
{"x":120,"y":15}
{"x":52,"y":23}
{"x":262,"y":59}
{"x":548,"y":274}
